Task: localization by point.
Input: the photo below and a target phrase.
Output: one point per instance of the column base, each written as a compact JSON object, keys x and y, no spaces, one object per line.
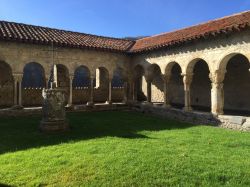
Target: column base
{"x":69,"y":106}
{"x":217,"y":113}
{"x":90,"y":104}
{"x":108,"y":102}
{"x":17,"y":107}
{"x":188,"y":109}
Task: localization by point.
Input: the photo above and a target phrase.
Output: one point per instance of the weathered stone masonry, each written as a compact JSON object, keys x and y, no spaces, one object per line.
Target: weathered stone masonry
{"x":201,"y":68}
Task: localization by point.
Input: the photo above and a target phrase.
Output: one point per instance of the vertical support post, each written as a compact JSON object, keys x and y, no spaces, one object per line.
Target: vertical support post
{"x":17,"y":90}
{"x":149,"y":91}
{"x":217,"y":92}
{"x":91,"y":98}
{"x":166,"y":79}
{"x":109,"y":100}
{"x":47,"y":81}
{"x":187,"y":80}
{"x":125,"y":92}
{"x":71,"y":77}
{"x":20,"y":93}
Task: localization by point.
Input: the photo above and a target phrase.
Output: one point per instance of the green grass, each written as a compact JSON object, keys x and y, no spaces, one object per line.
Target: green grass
{"x":122,"y":149}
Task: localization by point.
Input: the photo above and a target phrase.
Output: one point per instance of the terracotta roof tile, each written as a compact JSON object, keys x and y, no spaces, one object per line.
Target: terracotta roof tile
{"x":11,"y":31}
{"x":35,"y":34}
{"x":227,"y":24}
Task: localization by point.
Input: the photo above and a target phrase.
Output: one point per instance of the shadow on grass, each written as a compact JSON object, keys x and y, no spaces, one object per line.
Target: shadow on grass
{"x":22,"y":133}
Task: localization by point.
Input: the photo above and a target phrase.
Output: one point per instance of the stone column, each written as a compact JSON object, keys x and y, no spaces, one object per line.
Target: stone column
{"x":18,"y":90}
{"x":149,"y":82}
{"x":166,"y":79}
{"x":91,"y":98}
{"x":47,"y":81}
{"x":109,"y":100}
{"x":125,"y":92}
{"x":130,"y":90}
{"x":15,"y":91}
{"x":217,"y":92}
{"x":134,"y":91}
{"x":71,"y":77}
{"x":187,"y":80}
{"x":20,"y":93}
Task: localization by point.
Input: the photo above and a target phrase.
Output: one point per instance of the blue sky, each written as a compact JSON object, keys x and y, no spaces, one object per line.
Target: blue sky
{"x":118,"y":18}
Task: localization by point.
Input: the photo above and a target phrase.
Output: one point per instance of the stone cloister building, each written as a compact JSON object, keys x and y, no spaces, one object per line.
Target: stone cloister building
{"x":204,"y":67}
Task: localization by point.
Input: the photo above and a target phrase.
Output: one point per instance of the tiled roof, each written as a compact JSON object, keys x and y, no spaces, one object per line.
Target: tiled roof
{"x":224,"y":25}
{"x":10,"y":31}
{"x":42,"y":35}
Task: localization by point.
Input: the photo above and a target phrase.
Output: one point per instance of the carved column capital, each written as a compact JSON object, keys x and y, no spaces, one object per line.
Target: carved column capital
{"x":71,"y":76}
{"x":187,"y":78}
{"x":217,"y":77}
{"x":18,"y":77}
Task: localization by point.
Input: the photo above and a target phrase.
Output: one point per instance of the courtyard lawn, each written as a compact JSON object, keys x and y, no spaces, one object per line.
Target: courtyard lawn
{"x":122,"y":149}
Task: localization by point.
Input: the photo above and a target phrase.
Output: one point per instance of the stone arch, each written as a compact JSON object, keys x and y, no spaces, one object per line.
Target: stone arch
{"x":222,"y":65}
{"x":33,"y":82}
{"x":6,"y":85}
{"x":63,"y":79}
{"x":169,"y":66}
{"x":200,"y":88}
{"x":33,"y":76}
{"x":101,"y":84}
{"x":118,"y":87}
{"x":176,"y":87}
{"x":118,"y":77}
{"x":81,"y":77}
{"x":236,"y":83}
{"x":81,"y":85}
{"x":139,"y":83}
{"x":157,"y":86}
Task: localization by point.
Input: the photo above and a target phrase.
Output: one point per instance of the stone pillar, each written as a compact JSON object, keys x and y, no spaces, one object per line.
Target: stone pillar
{"x":20,"y":93}
{"x":166,"y":79}
{"x":71,"y":77}
{"x":187,"y":80}
{"x":149,"y":82}
{"x":47,"y":81}
{"x":217,"y":92}
{"x":125,"y":92}
{"x":134,"y":91}
{"x":109,"y":100}
{"x":91,"y":98}
{"x":17,"y":90}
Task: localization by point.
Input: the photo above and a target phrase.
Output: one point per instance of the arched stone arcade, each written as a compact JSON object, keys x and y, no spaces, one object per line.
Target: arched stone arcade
{"x":236,"y":82}
{"x":81,"y":85}
{"x":138,"y":88}
{"x":33,"y":81}
{"x":102,"y":85}
{"x":175,"y":89}
{"x":155,"y":77}
{"x":200,"y":88}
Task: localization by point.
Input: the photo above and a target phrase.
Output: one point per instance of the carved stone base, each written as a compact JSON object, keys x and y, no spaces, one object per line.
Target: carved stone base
{"x":187,"y":109}
{"x":53,"y":126}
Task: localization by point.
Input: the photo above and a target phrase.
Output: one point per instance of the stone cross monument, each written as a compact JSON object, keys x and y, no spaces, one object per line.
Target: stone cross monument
{"x":54,"y":115}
